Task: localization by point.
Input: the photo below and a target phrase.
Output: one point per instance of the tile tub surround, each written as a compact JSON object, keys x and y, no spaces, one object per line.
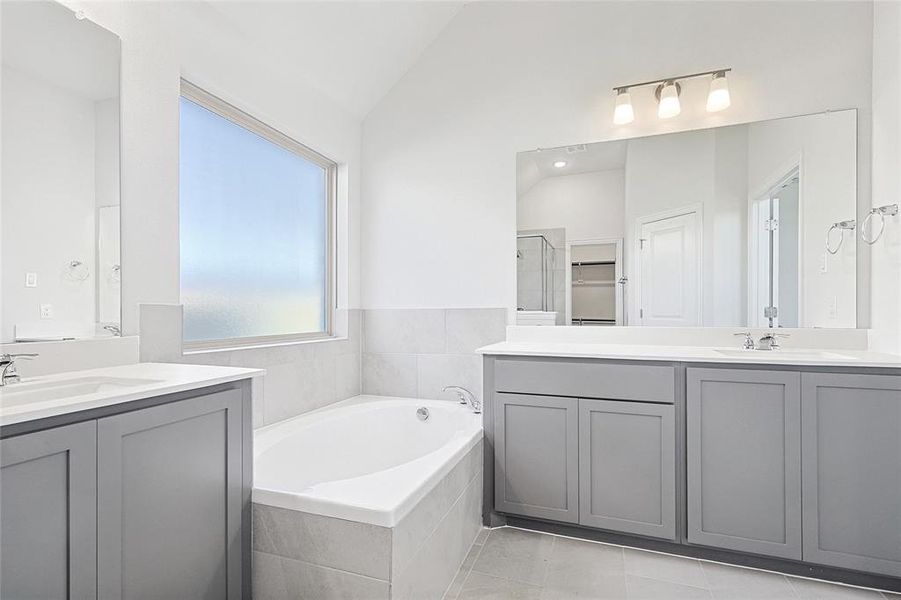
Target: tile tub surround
{"x":299,"y":377}
{"x":416,"y":352}
{"x":302,"y":555}
{"x":516,"y":563}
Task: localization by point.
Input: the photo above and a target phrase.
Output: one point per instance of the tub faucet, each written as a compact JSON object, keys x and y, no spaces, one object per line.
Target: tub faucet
{"x":466,"y":397}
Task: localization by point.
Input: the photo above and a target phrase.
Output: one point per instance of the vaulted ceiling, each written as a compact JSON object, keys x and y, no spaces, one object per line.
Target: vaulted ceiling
{"x":353,"y":52}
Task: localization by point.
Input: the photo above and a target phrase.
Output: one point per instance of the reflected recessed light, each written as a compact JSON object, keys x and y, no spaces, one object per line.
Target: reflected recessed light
{"x":560,"y":164}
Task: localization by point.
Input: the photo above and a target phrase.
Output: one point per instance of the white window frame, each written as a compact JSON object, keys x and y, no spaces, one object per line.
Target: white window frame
{"x":237,"y":116}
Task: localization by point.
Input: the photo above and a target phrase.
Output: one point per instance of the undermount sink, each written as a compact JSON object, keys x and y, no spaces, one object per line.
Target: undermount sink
{"x":782,"y":352}
{"x":26,"y":392}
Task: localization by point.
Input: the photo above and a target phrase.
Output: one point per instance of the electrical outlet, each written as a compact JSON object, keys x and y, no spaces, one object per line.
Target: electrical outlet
{"x":833,"y":308}
{"x":824,"y":263}
{"x":46,"y":311}
{"x":31,"y":280}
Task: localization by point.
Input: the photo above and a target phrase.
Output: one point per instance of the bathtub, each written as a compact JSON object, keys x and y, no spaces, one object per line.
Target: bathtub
{"x":365,"y":499}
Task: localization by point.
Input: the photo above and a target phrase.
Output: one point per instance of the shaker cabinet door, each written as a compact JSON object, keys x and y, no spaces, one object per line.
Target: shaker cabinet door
{"x":852,"y":471}
{"x":744,"y":460}
{"x":627,"y":467}
{"x":48,"y":511}
{"x":169,"y":500}
{"x":536,"y":456}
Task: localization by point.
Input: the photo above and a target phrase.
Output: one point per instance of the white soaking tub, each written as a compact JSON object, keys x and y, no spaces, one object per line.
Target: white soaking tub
{"x":366,"y":499}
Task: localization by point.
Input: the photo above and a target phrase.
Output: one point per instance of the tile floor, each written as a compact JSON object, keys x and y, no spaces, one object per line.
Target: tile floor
{"x":514,"y":564}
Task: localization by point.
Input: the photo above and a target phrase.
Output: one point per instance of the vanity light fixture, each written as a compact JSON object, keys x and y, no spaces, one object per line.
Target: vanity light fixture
{"x":623,"y":114}
{"x":560,"y":164}
{"x":668,"y":92}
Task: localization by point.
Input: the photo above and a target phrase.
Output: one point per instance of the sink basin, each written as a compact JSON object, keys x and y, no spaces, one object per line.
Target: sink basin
{"x":783,"y":353}
{"x":27,"y":392}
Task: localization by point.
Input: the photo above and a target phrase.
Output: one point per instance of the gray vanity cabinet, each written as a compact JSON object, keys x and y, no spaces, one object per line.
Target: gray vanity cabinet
{"x":536,"y":456}
{"x":627,"y":467}
{"x":48,"y":516}
{"x":852,"y":471}
{"x":744,"y":460}
{"x":169,"y":500}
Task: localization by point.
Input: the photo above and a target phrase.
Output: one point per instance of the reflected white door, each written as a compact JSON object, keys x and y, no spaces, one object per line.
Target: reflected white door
{"x":669,"y":272}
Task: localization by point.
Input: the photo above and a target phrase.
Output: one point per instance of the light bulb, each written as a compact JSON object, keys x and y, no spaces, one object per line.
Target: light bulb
{"x":718,"y":98}
{"x":560,"y":164}
{"x":623,"y":113}
{"x":668,"y":105}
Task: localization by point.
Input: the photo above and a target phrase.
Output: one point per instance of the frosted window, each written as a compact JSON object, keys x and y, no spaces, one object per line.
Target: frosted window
{"x":254,"y":233}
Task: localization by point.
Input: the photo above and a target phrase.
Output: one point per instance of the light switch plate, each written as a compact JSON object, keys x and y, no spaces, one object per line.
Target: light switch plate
{"x":31,"y":280}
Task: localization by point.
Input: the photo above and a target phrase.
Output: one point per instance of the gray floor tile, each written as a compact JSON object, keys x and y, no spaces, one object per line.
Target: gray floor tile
{"x":685,"y":571}
{"x":603,"y":586}
{"x":457,"y":584}
{"x":735,"y":583}
{"x":515,"y":554}
{"x":479,"y":586}
{"x":585,"y":570}
{"x":483,"y":535}
{"x":523,"y":564}
{"x":810,"y":589}
{"x":645,"y":588}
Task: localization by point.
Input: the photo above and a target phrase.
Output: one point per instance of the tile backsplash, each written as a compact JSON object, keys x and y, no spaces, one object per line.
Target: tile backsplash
{"x":416,"y":352}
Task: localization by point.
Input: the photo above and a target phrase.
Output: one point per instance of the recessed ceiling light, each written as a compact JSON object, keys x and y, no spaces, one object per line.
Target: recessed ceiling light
{"x":560,"y":164}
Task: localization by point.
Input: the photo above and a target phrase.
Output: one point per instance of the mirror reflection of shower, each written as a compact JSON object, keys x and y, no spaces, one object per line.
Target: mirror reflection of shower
{"x":537,"y":266}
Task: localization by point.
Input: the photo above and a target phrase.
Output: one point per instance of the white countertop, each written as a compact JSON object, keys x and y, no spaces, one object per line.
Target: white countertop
{"x":698,"y":354}
{"x":115,"y":385}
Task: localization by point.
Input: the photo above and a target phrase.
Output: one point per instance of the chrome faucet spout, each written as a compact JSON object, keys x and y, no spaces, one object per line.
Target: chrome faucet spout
{"x":466,"y":397}
{"x":8,"y":372}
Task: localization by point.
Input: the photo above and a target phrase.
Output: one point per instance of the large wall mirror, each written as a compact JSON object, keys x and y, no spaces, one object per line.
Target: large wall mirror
{"x":748,"y":225}
{"x":60,"y":175}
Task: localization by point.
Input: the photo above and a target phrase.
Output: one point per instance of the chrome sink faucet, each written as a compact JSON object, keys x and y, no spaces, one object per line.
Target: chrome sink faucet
{"x":466,"y":397}
{"x":770,"y":341}
{"x":748,"y":343}
{"x":8,"y":373}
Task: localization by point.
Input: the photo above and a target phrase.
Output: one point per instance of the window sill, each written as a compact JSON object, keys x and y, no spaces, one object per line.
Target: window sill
{"x":238,"y":347}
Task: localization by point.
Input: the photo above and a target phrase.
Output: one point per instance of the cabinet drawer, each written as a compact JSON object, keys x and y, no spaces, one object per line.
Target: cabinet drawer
{"x":585,"y":379}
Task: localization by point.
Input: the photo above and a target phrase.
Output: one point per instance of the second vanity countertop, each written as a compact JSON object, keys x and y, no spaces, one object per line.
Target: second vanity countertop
{"x":63,"y":393}
{"x":696,"y":354}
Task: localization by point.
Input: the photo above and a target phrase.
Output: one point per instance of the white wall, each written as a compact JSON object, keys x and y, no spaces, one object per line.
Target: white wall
{"x":439,"y":150}
{"x":48,"y":200}
{"x":886,"y":253}
{"x":588,"y":205}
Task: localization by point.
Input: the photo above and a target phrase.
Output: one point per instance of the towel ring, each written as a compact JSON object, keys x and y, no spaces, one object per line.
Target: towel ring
{"x":842,"y":226}
{"x":889,"y":209}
